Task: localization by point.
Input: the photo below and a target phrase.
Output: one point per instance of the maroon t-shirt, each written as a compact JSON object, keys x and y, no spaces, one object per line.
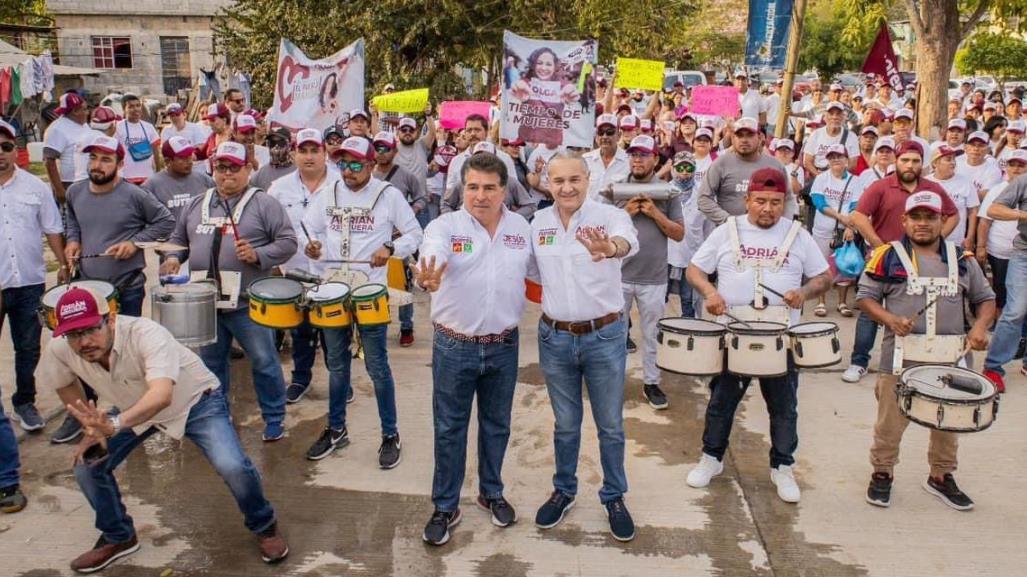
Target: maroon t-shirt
{"x":884,"y":202}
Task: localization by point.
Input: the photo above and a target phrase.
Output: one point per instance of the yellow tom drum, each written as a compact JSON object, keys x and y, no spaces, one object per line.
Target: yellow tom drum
{"x":371,"y":304}
{"x":329,"y":305}
{"x":276,"y":302}
{"x":48,"y":305}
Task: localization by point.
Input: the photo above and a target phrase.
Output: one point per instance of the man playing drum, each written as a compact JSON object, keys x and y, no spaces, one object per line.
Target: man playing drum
{"x":750,"y":253}
{"x":902,"y":278}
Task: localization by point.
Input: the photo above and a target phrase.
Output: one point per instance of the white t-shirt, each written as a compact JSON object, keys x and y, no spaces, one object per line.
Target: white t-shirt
{"x":752,"y":104}
{"x":600,"y":176}
{"x":195,"y":133}
{"x":262,"y":154}
{"x":130,"y":133}
{"x":962,"y":192}
{"x":984,"y":176}
{"x":545,"y":154}
{"x":819,"y":140}
{"x":872,"y":175}
{"x":1002,"y":232}
{"x":697,"y":228}
{"x":737,"y":287}
{"x":62,"y":137}
{"x":831,"y":188}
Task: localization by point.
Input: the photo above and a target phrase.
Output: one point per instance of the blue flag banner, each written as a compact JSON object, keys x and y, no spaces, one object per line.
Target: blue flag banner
{"x":767,"y":41}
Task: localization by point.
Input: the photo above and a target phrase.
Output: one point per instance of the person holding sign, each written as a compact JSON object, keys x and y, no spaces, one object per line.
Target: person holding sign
{"x":544,"y":91}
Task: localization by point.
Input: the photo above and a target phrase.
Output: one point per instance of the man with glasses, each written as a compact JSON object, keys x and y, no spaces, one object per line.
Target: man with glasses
{"x":371,"y":209}
{"x":279,"y":144}
{"x":413,"y":149}
{"x":233,"y":249}
{"x":160,"y":386}
{"x":332,"y":137}
{"x":607,"y":163}
{"x":235,"y":100}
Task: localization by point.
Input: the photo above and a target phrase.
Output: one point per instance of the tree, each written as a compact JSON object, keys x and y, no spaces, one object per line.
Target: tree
{"x":26,"y":12}
{"x":835,"y":39}
{"x":1001,"y":55}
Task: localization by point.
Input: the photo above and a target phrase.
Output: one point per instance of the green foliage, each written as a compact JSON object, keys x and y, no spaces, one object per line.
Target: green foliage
{"x":997,"y":54}
{"x":836,"y":36}
{"x":25,"y":12}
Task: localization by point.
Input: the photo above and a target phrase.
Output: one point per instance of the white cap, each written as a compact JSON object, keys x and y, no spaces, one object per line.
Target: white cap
{"x":1019,"y":155}
{"x":1016,"y":126}
{"x":643,"y":142}
{"x":957,"y":123}
{"x":232,"y":152}
{"x":834,"y":105}
{"x":884,"y":142}
{"x":978,"y":135}
{"x":926,"y":199}
{"x":989,"y":105}
{"x":386,"y":138}
{"x":177,"y":147}
{"x":105,"y":143}
{"x":407,"y":122}
{"x":747,"y":123}
{"x":357,"y":146}
{"x":704,"y":132}
{"x":645,"y":125}
{"x":629,"y":122}
{"x":904,"y":113}
{"x":245,"y":123}
{"x":606,"y":120}
{"x":484,"y":146}
{"x":5,"y":127}
{"x":782,"y":143}
{"x":359,"y":112}
{"x":870,"y":129}
{"x":308,"y":135}
{"x":835,"y":149}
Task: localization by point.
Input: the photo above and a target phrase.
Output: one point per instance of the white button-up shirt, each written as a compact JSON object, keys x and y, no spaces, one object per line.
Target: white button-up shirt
{"x":482,"y":290}
{"x":574,"y":288}
{"x":27,"y":212}
{"x":298,"y":201}
{"x":600,"y":176}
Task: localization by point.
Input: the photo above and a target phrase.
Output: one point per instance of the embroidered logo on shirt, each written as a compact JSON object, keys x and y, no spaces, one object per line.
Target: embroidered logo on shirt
{"x":461,"y":244}
{"x":515,"y":241}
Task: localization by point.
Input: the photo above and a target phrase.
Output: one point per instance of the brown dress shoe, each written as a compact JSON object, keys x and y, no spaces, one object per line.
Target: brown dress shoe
{"x":103,"y":554}
{"x":273,"y":546}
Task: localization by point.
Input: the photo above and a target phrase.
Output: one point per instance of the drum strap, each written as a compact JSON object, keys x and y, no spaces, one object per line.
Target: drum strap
{"x":915,"y":283}
{"x":208,"y":196}
{"x":758,"y":265}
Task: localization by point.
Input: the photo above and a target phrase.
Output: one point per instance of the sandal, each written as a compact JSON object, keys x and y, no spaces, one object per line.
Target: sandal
{"x":820,"y":310}
{"x":844,"y":310}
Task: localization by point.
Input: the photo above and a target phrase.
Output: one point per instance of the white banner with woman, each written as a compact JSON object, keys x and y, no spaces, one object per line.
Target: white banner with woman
{"x":317,"y":93}
{"x":549,"y":93}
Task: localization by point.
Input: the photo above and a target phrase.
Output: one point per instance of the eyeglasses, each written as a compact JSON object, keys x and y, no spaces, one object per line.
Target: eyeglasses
{"x":8,"y":146}
{"x":352,"y":166}
{"x":684,"y":167}
{"x":406,"y":129}
{"x":227,"y":168}
{"x":334,"y":141}
{"x":606,"y":131}
{"x":382,"y":149}
{"x":85,"y":333}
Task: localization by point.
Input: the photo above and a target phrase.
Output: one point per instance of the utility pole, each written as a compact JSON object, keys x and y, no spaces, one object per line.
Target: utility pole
{"x":791,"y":62}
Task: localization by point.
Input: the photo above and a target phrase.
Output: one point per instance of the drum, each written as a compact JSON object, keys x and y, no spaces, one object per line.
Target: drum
{"x":329,"y":305}
{"x":370,"y":304}
{"x":690,"y":346}
{"x":757,"y":349}
{"x":48,"y":304}
{"x":937,"y":349}
{"x":815,"y":345}
{"x":396,"y":274}
{"x":276,"y":302}
{"x":947,"y":398}
{"x":187,"y":311}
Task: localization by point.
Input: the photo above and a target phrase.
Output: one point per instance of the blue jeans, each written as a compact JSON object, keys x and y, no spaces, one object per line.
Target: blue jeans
{"x":781,"y":396}
{"x":599,"y":358}
{"x":259,"y":344}
{"x":20,"y":305}
{"x":376,"y":361}
{"x":866,"y":334}
{"x":130,"y":301}
{"x":209,"y":428}
{"x":305,"y":339}
{"x":1010,"y":325}
{"x":684,"y":292}
{"x":406,"y":317}
{"x":8,"y":452}
{"x":460,"y":370}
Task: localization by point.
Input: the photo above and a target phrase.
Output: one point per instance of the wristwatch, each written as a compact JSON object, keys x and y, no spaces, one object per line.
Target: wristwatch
{"x":115,"y":421}
{"x":391,"y":247}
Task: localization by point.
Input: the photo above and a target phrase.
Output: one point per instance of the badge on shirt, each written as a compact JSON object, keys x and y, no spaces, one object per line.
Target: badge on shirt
{"x":461,"y":244}
{"x":546,"y":236}
{"x":515,"y":241}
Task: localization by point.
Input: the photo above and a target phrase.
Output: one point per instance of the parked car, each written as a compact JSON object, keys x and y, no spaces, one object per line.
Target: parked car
{"x":689,"y":78}
{"x":850,"y":80}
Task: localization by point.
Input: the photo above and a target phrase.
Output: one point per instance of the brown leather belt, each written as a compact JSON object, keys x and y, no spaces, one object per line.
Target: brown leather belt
{"x":581,"y":327}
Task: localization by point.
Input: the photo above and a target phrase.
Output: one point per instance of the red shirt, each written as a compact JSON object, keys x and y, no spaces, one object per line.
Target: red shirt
{"x":861,"y":165}
{"x":884,"y":202}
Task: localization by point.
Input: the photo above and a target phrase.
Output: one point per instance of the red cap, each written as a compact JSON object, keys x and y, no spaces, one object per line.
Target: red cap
{"x":357,"y":146}
{"x":79,"y":308}
{"x":385,"y":138}
{"x":643,"y":143}
{"x":69,"y":101}
{"x":910,"y":146}
{"x":768,"y":180}
{"x":218,"y":110}
{"x":177,"y":147}
{"x":232,"y":152}
{"x":105,"y":143}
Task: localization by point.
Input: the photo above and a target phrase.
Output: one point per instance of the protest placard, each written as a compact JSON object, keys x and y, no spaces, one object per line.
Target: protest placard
{"x":714,"y":101}
{"x":639,"y":74}
{"x":406,"y":102}
{"x":453,"y":113}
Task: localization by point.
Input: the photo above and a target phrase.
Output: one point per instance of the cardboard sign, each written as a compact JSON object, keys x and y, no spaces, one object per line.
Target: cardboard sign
{"x":406,"y":102}
{"x":714,"y":101}
{"x":453,"y":113}
{"x":639,"y":74}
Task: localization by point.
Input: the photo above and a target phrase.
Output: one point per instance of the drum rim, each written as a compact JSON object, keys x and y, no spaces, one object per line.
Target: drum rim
{"x":767,"y":332}
{"x":111,"y":294}
{"x":711,"y":332}
{"x":275,"y":300}
{"x":792,"y":333}
{"x":662,"y":368}
{"x":378,"y":293}
{"x":915,"y":392}
{"x":334,"y":300}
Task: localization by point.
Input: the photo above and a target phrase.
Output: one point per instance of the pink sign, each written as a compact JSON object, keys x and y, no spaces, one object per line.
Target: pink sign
{"x":714,"y":101}
{"x":453,"y":113}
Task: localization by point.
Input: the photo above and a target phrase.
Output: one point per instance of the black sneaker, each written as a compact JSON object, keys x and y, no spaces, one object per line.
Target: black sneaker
{"x":30,"y":418}
{"x":349,"y":395}
{"x":655,"y":396}
{"x":503,"y":514}
{"x":622,"y":527}
{"x":1021,"y":348}
{"x":632,"y":347}
{"x":295,"y":392}
{"x":552,"y":511}
{"x":436,"y":532}
{"x":12,"y":500}
{"x":69,"y":430}
{"x":329,"y":440}
{"x":389,"y":453}
{"x":879,"y":491}
{"x":949,"y":492}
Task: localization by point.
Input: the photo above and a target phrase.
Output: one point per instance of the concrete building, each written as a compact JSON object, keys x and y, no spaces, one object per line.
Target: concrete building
{"x":149,"y":47}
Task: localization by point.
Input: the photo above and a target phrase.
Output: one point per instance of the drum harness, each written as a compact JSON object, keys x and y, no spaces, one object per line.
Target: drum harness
{"x":219,"y":222}
{"x":759,"y":310}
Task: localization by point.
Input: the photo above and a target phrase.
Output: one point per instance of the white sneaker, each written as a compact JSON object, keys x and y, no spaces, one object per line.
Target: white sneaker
{"x":854,"y":373}
{"x":708,"y":468}
{"x":787,"y":488}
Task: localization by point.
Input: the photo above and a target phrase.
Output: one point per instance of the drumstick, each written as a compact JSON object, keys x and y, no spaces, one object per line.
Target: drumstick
{"x":771,"y":291}
{"x":231,"y":219}
{"x":926,"y":306}
{"x":92,"y":256}
{"x":736,"y":319}
{"x":344,"y":261}
{"x":306,"y":232}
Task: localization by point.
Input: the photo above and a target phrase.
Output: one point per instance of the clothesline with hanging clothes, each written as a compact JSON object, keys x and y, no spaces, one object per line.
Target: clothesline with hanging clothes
{"x":24,"y":76}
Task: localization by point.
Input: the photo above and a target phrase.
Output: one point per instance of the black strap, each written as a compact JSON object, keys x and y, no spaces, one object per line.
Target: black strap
{"x":841,"y":201}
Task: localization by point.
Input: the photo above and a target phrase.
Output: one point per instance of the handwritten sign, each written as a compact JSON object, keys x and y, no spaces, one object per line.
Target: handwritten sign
{"x":639,"y":74}
{"x":714,"y":101}
{"x":453,"y":113}
{"x":406,"y":102}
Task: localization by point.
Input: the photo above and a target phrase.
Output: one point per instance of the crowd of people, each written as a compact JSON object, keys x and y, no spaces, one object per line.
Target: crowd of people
{"x":749,"y":229}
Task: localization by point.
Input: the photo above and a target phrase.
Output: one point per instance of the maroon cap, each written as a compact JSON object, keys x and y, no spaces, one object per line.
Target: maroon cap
{"x":69,"y":101}
{"x":768,"y":180}
{"x":910,"y":146}
{"x":79,"y":308}
{"x":218,"y":110}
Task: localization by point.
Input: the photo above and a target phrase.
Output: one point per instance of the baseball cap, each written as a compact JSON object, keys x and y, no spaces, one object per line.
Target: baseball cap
{"x":79,"y":308}
{"x":926,"y":199}
{"x":606,"y":120}
{"x":177,"y":147}
{"x":978,"y":135}
{"x":359,"y":112}
{"x":331,"y":130}
{"x":103,"y":117}
{"x":626,"y":107}
{"x":904,"y":113}
{"x":782,"y":143}
{"x":511,"y":142}
{"x":218,"y":110}
{"x":1013,"y":99}
{"x":1015,"y":126}
{"x":69,"y":101}
{"x":8,"y":129}
{"x":357,"y":146}
{"x":643,"y":143}
{"x":989,"y":105}
{"x":174,"y":109}
{"x":835,"y":149}
{"x":740,"y":74}
{"x":232,"y":152}
{"x":704,"y":132}
{"x":910,"y":146}
{"x":444,"y":154}
{"x":645,"y":125}
{"x":884,"y":142}
{"x":386,"y":139}
{"x":484,"y":146}
{"x":940,"y":149}
{"x":245,"y":123}
{"x":629,"y":122}
{"x":104,"y":143}
{"x":835,"y":105}
{"x":407,"y":122}
{"x":869,"y":129}
{"x":309,"y":135}
{"x":836,"y":87}
{"x":1019,"y":155}
{"x":815,"y":122}
{"x":957,"y":123}
{"x":747,"y":123}
{"x":684,"y":156}
{"x":768,"y":180}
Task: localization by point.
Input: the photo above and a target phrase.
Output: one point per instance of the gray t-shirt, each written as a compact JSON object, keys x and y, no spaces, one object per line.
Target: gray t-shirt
{"x":413,"y":158}
{"x":649,"y":265}
{"x":268,"y":173}
{"x":723,"y":189}
{"x":98,"y":221}
{"x":175,"y":191}
{"x":950,"y":318}
{"x":414,"y":190}
{"x":1015,"y":196}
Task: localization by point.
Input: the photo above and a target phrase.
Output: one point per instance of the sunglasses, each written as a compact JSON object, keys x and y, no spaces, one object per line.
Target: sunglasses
{"x":382,"y":149}
{"x":352,"y":166}
{"x":684,"y":167}
{"x":334,"y":141}
{"x":606,"y":131}
{"x":7,"y":146}
{"x":638,"y":155}
{"x":227,"y":168}
{"x":406,"y":129}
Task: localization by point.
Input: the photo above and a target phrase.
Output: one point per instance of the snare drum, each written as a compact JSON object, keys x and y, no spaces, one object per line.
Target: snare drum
{"x":329,"y":305}
{"x":690,"y":346}
{"x":927,"y":397}
{"x":757,"y":349}
{"x":815,"y":345}
{"x":48,"y":304}
{"x":276,"y":302}
{"x":187,"y":311}
{"x":371,"y":304}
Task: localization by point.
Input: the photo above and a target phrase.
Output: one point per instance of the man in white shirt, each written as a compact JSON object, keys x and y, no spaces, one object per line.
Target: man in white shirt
{"x":371,"y":209}
{"x":960,"y":190}
{"x":28,"y":213}
{"x":902,"y":129}
{"x":244,"y":131}
{"x":607,"y":163}
{"x":749,"y":101}
{"x":773,"y":105}
{"x":833,"y":132}
{"x":978,"y":164}
{"x":955,"y":134}
{"x":761,"y":231}
{"x":480,"y":253}
{"x":141,"y":142}
{"x":194,"y":132}
{"x":60,"y":143}
{"x":579,"y":245}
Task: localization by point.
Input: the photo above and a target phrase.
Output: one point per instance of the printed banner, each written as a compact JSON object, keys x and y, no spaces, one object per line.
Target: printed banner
{"x":639,"y":74}
{"x":549,"y":93}
{"x":317,"y":93}
{"x":453,"y":113}
{"x":406,"y":102}
{"x":881,"y":59}
{"x":714,"y":101}
{"x":767,"y":38}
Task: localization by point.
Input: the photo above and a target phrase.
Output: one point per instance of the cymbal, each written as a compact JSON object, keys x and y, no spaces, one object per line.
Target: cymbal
{"x":162,"y":246}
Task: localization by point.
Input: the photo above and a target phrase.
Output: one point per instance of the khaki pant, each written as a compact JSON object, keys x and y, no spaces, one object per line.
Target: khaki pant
{"x":891,"y":424}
